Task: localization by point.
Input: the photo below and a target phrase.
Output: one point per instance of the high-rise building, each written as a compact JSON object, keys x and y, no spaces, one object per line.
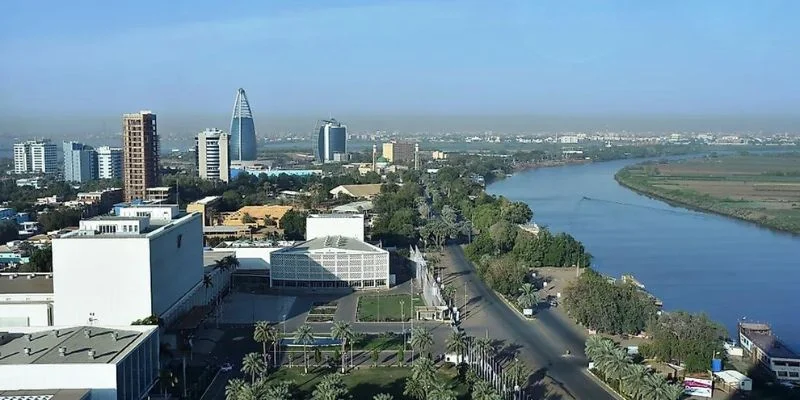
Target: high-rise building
{"x":35,"y":156}
{"x":109,"y":162}
{"x":139,"y":154}
{"x":243,"y":130}
{"x":397,"y":152}
{"x":80,"y":162}
{"x":332,"y":140}
{"x":212,"y":152}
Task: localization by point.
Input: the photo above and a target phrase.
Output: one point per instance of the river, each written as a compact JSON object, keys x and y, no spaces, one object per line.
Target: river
{"x":692,"y":261}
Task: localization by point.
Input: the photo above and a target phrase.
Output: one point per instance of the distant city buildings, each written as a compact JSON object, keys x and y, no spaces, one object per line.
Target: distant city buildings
{"x":35,"y":156}
{"x":109,"y":162}
{"x":332,"y":140}
{"x":243,"y":130}
{"x":212,"y":155}
{"x":80,"y":162}
{"x":140,"y":145}
{"x":398,"y":152}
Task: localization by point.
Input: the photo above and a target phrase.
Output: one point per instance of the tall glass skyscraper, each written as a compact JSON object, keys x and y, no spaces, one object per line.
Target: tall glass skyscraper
{"x":332,"y":140}
{"x":243,"y":130}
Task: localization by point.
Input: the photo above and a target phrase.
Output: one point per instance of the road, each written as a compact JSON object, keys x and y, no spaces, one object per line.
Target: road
{"x":543,"y":341}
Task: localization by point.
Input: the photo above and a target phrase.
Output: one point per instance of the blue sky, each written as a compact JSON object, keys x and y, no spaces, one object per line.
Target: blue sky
{"x":396,"y":57}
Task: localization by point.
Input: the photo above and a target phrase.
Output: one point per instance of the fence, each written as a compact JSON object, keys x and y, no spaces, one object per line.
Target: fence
{"x":430,"y":288}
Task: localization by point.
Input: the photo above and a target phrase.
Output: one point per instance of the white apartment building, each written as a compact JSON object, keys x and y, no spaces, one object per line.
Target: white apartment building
{"x":35,"y":156}
{"x":117,"y":269}
{"x":109,"y":162}
{"x":26,"y":299}
{"x":336,"y":224}
{"x":79,"y":362}
{"x":212,"y":152}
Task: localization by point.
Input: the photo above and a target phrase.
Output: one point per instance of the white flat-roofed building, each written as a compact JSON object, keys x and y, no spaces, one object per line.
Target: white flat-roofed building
{"x":328,"y":262}
{"x":110,"y":362}
{"x":337,"y":224}
{"x":26,"y":299}
{"x":118,"y":269}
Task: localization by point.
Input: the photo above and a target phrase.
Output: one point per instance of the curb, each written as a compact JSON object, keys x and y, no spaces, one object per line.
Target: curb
{"x":608,"y":388}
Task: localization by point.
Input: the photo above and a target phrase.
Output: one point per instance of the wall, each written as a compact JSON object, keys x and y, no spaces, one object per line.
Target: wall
{"x":176,"y":268}
{"x":101,"y":378}
{"x":24,"y":314}
{"x":251,"y":257}
{"x":350,"y":226}
{"x":104,"y":275}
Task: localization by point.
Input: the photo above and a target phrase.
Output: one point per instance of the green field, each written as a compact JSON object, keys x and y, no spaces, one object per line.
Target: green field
{"x":365,"y":382}
{"x":374,"y":308}
{"x":764,"y":189}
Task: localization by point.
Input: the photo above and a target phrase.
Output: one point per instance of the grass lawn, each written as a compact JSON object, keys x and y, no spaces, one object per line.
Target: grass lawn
{"x":369,"y":342}
{"x":377,"y":308}
{"x":365,"y":382}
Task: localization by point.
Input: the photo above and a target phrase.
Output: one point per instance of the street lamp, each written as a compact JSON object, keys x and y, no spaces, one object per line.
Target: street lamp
{"x":403,"y":321}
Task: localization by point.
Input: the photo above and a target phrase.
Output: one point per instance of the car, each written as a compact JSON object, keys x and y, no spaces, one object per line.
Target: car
{"x":227,"y":367}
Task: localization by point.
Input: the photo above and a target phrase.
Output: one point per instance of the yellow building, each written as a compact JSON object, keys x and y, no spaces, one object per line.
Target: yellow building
{"x":257,"y":216}
{"x":396,"y":152}
{"x":206,"y":206}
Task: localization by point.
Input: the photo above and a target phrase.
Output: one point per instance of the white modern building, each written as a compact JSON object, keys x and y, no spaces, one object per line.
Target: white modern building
{"x":332,"y":140}
{"x":330,"y":262}
{"x":109,"y":162}
{"x":26,"y":299}
{"x":337,"y":224}
{"x":113,"y":270}
{"x":80,"y":162}
{"x":86,"y":362}
{"x":212,"y":152}
{"x":35,"y":156}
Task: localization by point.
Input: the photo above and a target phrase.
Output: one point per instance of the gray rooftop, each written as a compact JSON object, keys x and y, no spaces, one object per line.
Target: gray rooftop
{"x":332,"y":243}
{"x":37,"y":283}
{"x":45,"y":345}
{"x":770,"y":345}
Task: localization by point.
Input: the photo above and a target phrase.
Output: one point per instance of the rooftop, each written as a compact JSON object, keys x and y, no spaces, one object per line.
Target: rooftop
{"x":770,"y":345}
{"x":366,"y":190}
{"x":356,"y":206}
{"x":53,"y":394}
{"x":208,"y":199}
{"x":150,"y":228}
{"x":21,"y":283}
{"x":332,"y":243}
{"x":337,"y":215}
{"x":70,"y":345}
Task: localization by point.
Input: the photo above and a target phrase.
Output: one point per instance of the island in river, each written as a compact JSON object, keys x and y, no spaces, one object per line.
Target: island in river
{"x":760,"y":188}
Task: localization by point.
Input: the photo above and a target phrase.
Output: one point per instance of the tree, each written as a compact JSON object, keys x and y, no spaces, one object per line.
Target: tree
{"x":383,"y":396}
{"x":423,"y":371}
{"x":517,"y":373}
{"x":401,"y":356}
{"x":634,"y":383}
{"x":41,"y":260}
{"x":485,"y":347}
{"x":317,"y":356}
{"x":441,"y":391}
{"x":331,"y":387}
{"x":528,"y":297}
{"x":503,"y":234}
{"x":9,"y":230}
{"x":248,"y":219}
{"x":616,"y":365}
{"x":688,"y":338}
{"x":482,"y":390}
{"x":234,"y":389}
{"x":448,"y":291}
{"x":293,"y":224}
{"x":304,"y":337}
{"x":343,"y":331}
{"x":376,"y":355}
{"x":261,"y":334}
{"x":252,"y":364}
{"x":207,"y":283}
{"x":516,"y":213}
{"x":279,"y":391}
{"x":421,"y":339}
{"x":457,"y":343}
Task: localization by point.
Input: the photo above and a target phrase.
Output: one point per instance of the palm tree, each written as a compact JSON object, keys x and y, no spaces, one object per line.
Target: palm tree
{"x":484,"y":347}
{"x":331,"y":387}
{"x":597,"y":346}
{"x":414,"y":389}
{"x":261,"y":335}
{"x":634,"y":384}
{"x":278,"y":391}
{"x":448,"y":291}
{"x":317,"y":356}
{"x":482,"y":390}
{"x":421,"y":339}
{"x":673,"y":392}
{"x":275,"y":337}
{"x":343,"y":331}
{"x":254,"y":391}
{"x":457,"y":343}
{"x":234,"y":388}
{"x":528,"y":297}
{"x":304,"y":337}
{"x":231,"y":261}
{"x":207,"y":283}
{"x":424,"y":371}
{"x":252,"y":364}
{"x":517,"y":373}
{"x":441,"y":391}
{"x":615,"y":365}
{"x":383,"y":396}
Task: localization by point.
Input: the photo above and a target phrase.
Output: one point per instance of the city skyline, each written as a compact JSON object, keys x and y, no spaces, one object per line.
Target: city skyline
{"x":461,"y":58}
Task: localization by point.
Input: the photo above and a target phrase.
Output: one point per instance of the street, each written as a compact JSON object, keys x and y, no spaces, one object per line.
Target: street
{"x":543,"y":341}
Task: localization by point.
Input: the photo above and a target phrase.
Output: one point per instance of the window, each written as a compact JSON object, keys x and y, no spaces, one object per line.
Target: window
{"x":794,"y":374}
{"x":781,"y":373}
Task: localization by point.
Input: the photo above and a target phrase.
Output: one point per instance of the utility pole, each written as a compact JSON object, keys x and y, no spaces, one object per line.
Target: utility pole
{"x":465,"y":297}
{"x":403,"y":320}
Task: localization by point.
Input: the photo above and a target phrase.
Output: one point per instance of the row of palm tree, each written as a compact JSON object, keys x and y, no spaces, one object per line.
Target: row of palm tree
{"x":423,"y":383}
{"x":238,"y":389}
{"x":634,"y":380}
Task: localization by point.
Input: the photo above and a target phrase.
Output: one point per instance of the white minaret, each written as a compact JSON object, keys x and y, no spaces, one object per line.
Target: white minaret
{"x":416,"y":156}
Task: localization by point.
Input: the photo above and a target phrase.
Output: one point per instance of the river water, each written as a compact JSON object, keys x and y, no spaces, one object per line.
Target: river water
{"x":692,"y":261}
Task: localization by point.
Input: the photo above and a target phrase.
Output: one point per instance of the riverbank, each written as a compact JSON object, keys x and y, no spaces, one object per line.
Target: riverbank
{"x":764,"y":190}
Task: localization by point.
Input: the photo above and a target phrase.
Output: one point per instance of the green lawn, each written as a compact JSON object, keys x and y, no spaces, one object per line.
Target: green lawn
{"x":365,"y":382}
{"x":376,"y":308}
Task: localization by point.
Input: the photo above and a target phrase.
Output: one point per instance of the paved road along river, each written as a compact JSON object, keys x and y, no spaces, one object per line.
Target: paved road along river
{"x":693,"y":261}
